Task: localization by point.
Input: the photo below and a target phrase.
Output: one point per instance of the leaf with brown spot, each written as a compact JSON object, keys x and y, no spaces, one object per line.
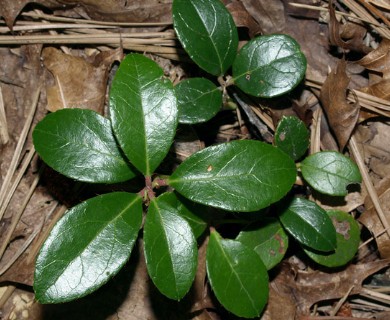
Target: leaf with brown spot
{"x":341,"y":114}
{"x":78,"y":83}
{"x":298,"y":290}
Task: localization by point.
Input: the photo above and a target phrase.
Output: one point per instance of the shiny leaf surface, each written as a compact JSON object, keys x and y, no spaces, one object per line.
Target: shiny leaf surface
{"x":198,"y":100}
{"x":269,"y":66}
{"x":292,"y":137}
{"x":330,"y":172}
{"x":170,"y":248}
{"x":237,"y":276}
{"x":242,"y":175}
{"x":143,"y":112}
{"x":207,"y":32}
{"x":348,"y":238}
{"x":308,"y":223}
{"x":80,"y":144}
{"x":267,"y":238}
{"x":87,"y":246}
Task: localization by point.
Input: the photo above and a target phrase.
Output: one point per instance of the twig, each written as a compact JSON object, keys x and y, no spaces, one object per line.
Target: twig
{"x":253,"y":119}
{"x":368,"y":183}
{"x":341,"y":302}
{"x":18,"y":149}
{"x":107,"y":23}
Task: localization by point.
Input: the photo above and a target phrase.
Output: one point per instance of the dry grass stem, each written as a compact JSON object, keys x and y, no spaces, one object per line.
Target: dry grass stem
{"x":315,"y":132}
{"x":8,"y":291}
{"x":16,"y":182}
{"x":17,"y":216}
{"x":4,"y":136}
{"x":372,"y":22}
{"x":368,"y":183}
{"x":21,"y":141}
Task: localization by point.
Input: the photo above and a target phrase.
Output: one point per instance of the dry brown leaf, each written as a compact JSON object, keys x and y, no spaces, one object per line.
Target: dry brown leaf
{"x":298,"y":290}
{"x":268,"y":14}
{"x":243,"y":19}
{"x":378,"y":60}
{"x":341,"y":114}
{"x":348,"y":36}
{"x":78,"y":83}
{"x":371,"y":219}
{"x":106,"y":10}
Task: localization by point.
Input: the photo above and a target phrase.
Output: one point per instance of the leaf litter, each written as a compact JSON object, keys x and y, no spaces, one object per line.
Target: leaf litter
{"x":347,"y":45}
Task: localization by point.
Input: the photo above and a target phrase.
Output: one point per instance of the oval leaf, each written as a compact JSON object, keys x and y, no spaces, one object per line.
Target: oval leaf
{"x":80,"y":144}
{"x":87,"y":246}
{"x":207,"y":32}
{"x":308,"y":223}
{"x":330,"y":172}
{"x":269,"y":66}
{"x":268,"y":239}
{"x":170,"y":248}
{"x":198,"y":100}
{"x":348,"y":238}
{"x":292,"y":137}
{"x":237,"y":276}
{"x":143,"y":112}
{"x":244,"y":175}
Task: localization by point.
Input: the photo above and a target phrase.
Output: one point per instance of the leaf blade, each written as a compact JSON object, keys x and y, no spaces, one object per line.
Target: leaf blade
{"x":143,"y":112}
{"x":170,"y":248}
{"x":207,"y":32}
{"x":237,"y":276}
{"x":99,"y":241}
{"x":242,"y":175}
{"x":80,"y":144}
{"x":330,"y":172}
{"x":308,"y":223}
{"x":269,"y":66}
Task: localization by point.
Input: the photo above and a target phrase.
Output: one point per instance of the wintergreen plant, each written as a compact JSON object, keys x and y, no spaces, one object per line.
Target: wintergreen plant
{"x":94,"y":239}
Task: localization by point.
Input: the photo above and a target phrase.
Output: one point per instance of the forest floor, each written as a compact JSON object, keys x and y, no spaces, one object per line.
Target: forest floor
{"x":62,"y":54}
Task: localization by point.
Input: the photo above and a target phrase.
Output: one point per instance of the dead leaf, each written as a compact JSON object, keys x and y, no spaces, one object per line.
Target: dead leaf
{"x":298,"y":290}
{"x":341,"y":114}
{"x":106,"y":10}
{"x":78,"y":83}
{"x":348,"y":36}
{"x":378,"y":60}
{"x":242,"y":18}
{"x":268,"y":14}
{"x":371,"y":219}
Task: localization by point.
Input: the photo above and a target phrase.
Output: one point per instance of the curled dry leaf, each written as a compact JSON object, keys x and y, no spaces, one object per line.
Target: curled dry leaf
{"x":348,"y":36}
{"x":341,"y":114}
{"x":378,"y":63}
{"x":298,"y":290}
{"x":78,"y":83}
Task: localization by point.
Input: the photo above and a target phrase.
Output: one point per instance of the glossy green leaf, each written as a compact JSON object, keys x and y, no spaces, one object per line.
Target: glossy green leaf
{"x":330,"y":172}
{"x":80,"y":144}
{"x":143,"y":112}
{"x":207,"y":32}
{"x":194,"y":213}
{"x":244,"y":175}
{"x":269,"y":66}
{"x":268,"y":239}
{"x":348,"y":239}
{"x":237,"y":276}
{"x":292,"y":137}
{"x":87,"y":246}
{"x":198,"y":100}
{"x":308,"y":223}
{"x":170,"y":248}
